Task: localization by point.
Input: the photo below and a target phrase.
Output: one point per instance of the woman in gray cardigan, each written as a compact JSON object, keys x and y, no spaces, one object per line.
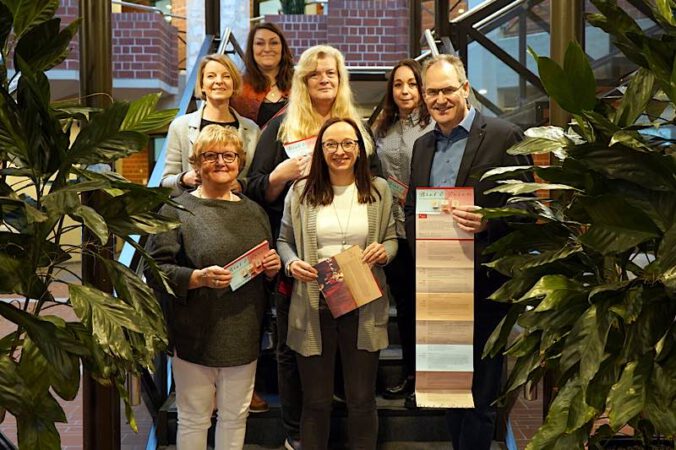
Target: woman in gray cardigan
{"x":217,"y":81}
{"x":339,"y":204}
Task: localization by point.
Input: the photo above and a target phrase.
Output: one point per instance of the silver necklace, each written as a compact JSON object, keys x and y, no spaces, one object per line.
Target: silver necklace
{"x":349,"y":214}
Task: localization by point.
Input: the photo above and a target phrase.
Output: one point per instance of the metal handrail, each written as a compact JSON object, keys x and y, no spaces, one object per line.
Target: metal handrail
{"x":154,"y":9}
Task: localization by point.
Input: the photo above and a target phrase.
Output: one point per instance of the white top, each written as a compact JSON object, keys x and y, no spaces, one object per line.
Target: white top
{"x":341,"y":224}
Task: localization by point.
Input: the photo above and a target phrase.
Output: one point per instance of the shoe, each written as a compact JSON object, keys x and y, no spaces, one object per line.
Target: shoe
{"x":401,"y":390}
{"x":258,"y":404}
{"x":291,"y":444}
{"x":409,"y":401}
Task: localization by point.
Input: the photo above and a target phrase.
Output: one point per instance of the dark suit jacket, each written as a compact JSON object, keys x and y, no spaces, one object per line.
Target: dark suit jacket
{"x":488,"y":140}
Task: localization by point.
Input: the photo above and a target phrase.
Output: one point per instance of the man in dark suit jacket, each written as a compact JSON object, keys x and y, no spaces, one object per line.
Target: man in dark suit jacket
{"x":463,"y":146}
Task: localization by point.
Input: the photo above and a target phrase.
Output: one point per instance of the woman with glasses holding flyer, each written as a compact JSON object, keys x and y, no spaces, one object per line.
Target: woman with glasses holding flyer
{"x":403,"y":120}
{"x":337,"y":206}
{"x":320,"y":90}
{"x":214,"y":313}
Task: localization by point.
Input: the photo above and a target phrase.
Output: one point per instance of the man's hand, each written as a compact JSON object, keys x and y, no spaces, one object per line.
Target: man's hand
{"x":468,"y":220}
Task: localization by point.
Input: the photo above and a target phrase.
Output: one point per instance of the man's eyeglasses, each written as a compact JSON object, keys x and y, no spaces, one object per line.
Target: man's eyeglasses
{"x":332,"y":146}
{"x":446,"y":91}
{"x":212,"y":157}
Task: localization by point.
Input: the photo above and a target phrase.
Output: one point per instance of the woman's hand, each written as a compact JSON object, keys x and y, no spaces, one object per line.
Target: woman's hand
{"x":374,"y":254}
{"x":291,"y":169}
{"x":271,"y":263}
{"x":214,"y":277}
{"x":191,"y":178}
{"x":303,"y":271}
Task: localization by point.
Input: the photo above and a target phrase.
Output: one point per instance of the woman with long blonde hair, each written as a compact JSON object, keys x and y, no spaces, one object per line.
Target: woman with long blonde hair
{"x":320,"y":90}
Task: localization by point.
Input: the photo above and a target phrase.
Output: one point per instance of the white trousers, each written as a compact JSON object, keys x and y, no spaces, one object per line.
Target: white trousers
{"x":196,"y":386}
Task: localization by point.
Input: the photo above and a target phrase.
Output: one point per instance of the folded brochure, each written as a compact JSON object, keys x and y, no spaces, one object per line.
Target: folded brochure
{"x":247,"y":266}
{"x":346,"y":282}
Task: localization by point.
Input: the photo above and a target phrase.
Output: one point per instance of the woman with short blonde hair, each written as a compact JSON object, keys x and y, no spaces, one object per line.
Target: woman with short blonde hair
{"x":217,"y":81}
{"x":213,"y":330}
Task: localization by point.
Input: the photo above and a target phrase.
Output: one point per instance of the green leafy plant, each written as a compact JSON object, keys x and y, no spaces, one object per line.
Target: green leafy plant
{"x":43,"y":178}
{"x":593,"y":278}
{"x":293,"y":6}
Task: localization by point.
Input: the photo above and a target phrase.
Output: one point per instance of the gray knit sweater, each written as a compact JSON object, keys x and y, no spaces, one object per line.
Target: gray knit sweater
{"x":212,"y":327}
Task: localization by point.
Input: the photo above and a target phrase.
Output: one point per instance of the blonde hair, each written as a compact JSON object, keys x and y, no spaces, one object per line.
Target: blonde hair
{"x":229,"y":65}
{"x":450,"y":59}
{"x":217,"y":136}
{"x":301,"y":120}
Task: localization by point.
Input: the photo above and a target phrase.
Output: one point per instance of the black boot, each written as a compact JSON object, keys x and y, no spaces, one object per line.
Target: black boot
{"x":401,"y":390}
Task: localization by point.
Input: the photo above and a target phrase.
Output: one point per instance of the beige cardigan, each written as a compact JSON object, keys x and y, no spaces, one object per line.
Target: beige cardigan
{"x":298,"y":240}
{"x":183,"y":132}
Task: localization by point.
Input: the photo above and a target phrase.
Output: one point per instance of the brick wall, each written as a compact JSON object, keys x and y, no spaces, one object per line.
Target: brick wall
{"x":144,"y":45}
{"x":135,"y":167}
{"x":368,"y":32}
{"x":301,"y":31}
{"x":178,"y":8}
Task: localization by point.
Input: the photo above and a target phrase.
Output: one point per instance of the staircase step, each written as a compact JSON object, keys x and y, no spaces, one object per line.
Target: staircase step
{"x":396,"y":424}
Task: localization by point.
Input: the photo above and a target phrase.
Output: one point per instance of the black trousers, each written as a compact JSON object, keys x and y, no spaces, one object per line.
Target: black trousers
{"x":290,"y":393}
{"x":473,"y":429}
{"x":401,"y":280}
{"x":317,"y":376}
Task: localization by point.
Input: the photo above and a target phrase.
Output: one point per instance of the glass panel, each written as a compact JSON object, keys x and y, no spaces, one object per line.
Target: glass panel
{"x":519,"y":100}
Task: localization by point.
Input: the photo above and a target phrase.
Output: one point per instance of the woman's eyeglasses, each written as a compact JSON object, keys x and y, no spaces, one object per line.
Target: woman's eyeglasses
{"x":332,"y":146}
{"x":212,"y":157}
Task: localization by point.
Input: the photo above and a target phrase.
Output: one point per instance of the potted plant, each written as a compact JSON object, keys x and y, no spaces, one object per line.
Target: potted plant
{"x":593,"y":278}
{"x":42,"y":178}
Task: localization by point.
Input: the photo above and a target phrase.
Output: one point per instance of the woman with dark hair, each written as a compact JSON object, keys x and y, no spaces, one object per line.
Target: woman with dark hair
{"x":338,"y":205}
{"x":267,"y":76}
{"x":403,"y":120}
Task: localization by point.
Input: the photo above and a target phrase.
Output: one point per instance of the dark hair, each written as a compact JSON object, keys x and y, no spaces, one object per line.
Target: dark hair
{"x":390,"y":112}
{"x":318,"y":190}
{"x":253,"y":74}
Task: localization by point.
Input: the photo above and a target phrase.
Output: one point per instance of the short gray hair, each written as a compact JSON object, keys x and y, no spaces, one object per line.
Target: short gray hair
{"x":450,"y":59}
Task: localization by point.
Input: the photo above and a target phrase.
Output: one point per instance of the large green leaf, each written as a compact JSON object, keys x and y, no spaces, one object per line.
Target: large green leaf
{"x":46,"y":45}
{"x":616,"y":226}
{"x":6,"y":21}
{"x":108,"y":318}
{"x":93,"y":221}
{"x":13,"y":139}
{"x":143,"y":118}
{"x":29,"y":13}
{"x":555,"y":83}
{"x":558,"y":417}
{"x":636,"y":98}
{"x":554,"y":289}
{"x":498,"y":338}
{"x":585,"y":344}
{"x":102,"y":140}
{"x":509,"y":172}
{"x":660,"y":406}
{"x":14,"y":394}
{"x":518,"y":187}
{"x":627,"y":396}
{"x":52,"y":342}
{"x":631,"y":305}
{"x":36,"y":433}
{"x":537,"y":145}
{"x":580,"y":76}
